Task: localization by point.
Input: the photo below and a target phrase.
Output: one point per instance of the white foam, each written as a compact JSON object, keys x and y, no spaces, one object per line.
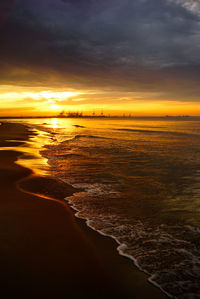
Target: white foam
{"x":121,"y":232}
{"x":136,"y":241}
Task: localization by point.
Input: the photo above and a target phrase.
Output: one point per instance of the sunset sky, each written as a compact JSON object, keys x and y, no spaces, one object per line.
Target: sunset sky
{"x":131,"y":56}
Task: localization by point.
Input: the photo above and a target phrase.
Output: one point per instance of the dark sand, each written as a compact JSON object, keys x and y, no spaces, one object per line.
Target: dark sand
{"x":45,"y":251}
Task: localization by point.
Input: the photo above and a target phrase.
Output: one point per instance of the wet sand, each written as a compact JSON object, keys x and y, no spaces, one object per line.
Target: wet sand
{"x":46,"y":252}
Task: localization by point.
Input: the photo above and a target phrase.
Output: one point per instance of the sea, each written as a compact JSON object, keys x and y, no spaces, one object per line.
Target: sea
{"x":140,"y":182}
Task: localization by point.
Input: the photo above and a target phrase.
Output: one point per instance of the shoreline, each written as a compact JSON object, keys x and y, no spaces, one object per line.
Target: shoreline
{"x":57,"y":252}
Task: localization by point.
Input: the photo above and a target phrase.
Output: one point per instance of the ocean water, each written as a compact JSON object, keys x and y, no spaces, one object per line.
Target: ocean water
{"x":141,"y":186}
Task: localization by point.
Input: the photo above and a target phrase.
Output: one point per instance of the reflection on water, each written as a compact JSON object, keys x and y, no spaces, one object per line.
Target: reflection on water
{"x":141,"y":180}
{"x":142,"y":187}
{"x":30,"y":150}
{"x":54,"y":123}
{"x":31,"y":157}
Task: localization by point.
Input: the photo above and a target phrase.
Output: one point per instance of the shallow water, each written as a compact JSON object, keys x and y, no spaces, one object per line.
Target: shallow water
{"x":141,"y":181}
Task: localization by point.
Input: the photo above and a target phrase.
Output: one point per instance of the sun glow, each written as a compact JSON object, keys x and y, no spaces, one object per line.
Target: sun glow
{"x":60,"y":95}
{"x":36,"y":101}
{"x":54,"y":107}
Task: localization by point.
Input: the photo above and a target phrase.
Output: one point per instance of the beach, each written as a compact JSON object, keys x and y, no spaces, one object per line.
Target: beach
{"x":47,"y":252}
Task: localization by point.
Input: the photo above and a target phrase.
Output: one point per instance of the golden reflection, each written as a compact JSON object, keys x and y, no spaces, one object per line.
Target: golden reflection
{"x":31,"y":157}
{"x":54,"y":122}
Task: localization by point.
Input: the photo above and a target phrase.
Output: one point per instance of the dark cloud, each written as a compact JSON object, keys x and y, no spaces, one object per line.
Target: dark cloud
{"x":6,"y":8}
{"x":132,"y":45}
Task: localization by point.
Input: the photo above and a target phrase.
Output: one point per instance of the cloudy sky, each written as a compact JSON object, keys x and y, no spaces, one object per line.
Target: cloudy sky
{"x":141,"y":56}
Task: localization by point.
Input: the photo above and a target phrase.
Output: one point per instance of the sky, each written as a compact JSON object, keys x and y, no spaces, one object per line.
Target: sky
{"x":132,"y":56}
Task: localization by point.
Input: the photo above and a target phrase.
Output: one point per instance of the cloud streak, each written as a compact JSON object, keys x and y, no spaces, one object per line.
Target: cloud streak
{"x":136,"y":46}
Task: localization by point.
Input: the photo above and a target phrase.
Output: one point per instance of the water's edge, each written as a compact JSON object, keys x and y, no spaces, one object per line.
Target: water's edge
{"x":121,"y":247}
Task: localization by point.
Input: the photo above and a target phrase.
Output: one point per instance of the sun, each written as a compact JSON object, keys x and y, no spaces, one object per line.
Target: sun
{"x":54,"y":107}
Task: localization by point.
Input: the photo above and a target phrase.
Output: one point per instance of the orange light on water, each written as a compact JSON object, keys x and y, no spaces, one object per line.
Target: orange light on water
{"x":54,"y":123}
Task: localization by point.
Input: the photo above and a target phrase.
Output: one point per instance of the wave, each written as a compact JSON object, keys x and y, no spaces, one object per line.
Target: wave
{"x":88,"y":136}
{"x":77,"y":137}
{"x":158,"y":132}
{"x":169,"y":255}
{"x":78,"y":126}
{"x":171,"y":261}
{"x":66,"y":156}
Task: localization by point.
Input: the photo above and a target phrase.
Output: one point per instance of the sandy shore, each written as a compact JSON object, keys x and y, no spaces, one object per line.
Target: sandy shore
{"x":45,"y":251}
